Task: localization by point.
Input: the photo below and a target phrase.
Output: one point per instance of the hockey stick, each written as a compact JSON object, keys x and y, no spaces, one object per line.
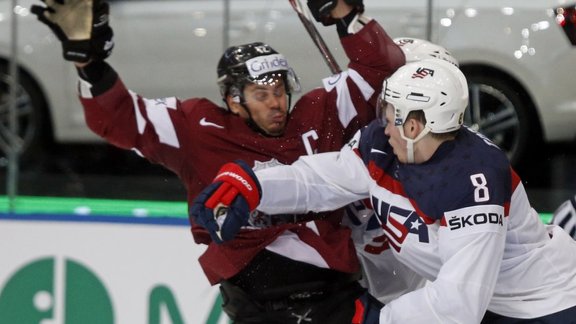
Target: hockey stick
{"x":316,"y":37}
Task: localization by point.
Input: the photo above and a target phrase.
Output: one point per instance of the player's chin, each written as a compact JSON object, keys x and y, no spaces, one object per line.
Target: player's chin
{"x":399,"y":155}
{"x":276,"y":129}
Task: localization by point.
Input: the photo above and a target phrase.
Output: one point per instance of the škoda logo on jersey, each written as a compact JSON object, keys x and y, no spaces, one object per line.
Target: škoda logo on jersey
{"x":458,"y":222}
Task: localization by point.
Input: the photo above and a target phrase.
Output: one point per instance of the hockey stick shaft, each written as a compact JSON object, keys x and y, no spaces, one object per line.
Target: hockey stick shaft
{"x":316,"y":37}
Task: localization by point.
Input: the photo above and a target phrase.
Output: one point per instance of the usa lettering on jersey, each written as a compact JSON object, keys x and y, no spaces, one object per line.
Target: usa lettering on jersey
{"x":399,"y":222}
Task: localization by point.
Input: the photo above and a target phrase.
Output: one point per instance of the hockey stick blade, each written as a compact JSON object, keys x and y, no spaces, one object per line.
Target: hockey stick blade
{"x":315,"y":35}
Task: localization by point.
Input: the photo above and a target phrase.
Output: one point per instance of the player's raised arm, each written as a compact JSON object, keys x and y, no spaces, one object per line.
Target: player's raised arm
{"x":111,"y":110}
{"x":81,"y":26}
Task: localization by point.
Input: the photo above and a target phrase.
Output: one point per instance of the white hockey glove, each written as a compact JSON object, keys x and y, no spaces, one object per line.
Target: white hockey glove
{"x":81,"y":25}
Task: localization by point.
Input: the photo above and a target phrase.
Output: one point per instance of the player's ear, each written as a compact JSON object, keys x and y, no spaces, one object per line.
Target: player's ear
{"x":233,"y":102}
{"x":413,"y":127}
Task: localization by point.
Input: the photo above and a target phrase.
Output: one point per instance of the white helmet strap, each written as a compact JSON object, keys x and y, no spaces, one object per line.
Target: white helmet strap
{"x":410,"y":142}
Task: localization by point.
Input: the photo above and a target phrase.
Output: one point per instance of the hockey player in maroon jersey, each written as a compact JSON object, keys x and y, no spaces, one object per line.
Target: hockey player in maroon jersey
{"x":282,"y":268}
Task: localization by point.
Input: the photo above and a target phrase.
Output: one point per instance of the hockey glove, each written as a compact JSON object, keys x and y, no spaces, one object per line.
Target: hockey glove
{"x":224,"y":207}
{"x":321,"y":9}
{"x":80,"y":25}
{"x":367,"y":310}
{"x":565,"y":216}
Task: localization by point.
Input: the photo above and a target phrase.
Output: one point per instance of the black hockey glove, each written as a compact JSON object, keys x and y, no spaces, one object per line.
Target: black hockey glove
{"x":80,"y":25}
{"x":359,"y":4}
{"x":224,"y":207}
{"x":321,"y":9}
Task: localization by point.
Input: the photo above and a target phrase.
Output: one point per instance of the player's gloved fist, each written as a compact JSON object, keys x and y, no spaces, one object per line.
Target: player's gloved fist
{"x":224,"y":207}
{"x":80,"y":25}
{"x":367,"y":310}
{"x":321,"y":9}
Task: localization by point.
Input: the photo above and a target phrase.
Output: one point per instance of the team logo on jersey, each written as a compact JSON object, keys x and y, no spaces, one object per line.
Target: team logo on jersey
{"x":398,"y":223}
{"x":204,"y":122}
{"x":376,"y":151}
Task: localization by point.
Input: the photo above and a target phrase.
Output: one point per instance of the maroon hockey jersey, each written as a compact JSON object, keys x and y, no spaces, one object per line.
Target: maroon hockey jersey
{"x":195,"y":137}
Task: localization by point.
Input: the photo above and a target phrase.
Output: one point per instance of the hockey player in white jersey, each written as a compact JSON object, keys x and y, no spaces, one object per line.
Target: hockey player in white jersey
{"x":382,"y":274}
{"x":452,"y":208}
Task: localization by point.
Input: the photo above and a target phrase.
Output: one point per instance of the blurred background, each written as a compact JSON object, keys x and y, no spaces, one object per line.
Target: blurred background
{"x":518,"y":59}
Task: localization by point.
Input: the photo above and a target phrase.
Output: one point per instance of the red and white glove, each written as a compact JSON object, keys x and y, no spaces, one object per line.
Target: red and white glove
{"x":224,"y":207}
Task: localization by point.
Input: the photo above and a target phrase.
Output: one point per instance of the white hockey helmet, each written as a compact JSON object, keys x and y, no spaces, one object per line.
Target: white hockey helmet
{"x":436,"y":87}
{"x":416,"y":49}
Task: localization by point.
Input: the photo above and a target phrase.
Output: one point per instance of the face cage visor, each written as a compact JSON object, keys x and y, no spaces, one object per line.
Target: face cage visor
{"x":381,"y":105}
{"x":291,"y":84}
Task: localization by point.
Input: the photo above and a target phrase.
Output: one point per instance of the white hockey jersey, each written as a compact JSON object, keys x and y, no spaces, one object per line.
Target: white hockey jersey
{"x":462,"y":220}
{"x":385,"y":277}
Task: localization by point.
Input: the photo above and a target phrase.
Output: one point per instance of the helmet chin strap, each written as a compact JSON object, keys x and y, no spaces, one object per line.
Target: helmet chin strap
{"x":410,"y":142}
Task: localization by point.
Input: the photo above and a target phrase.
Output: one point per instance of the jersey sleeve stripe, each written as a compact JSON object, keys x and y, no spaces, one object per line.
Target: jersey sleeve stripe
{"x":140,"y":120}
{"x":365,"y":88}
{"x":159,"y":117}
{"x":84,"y":88}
